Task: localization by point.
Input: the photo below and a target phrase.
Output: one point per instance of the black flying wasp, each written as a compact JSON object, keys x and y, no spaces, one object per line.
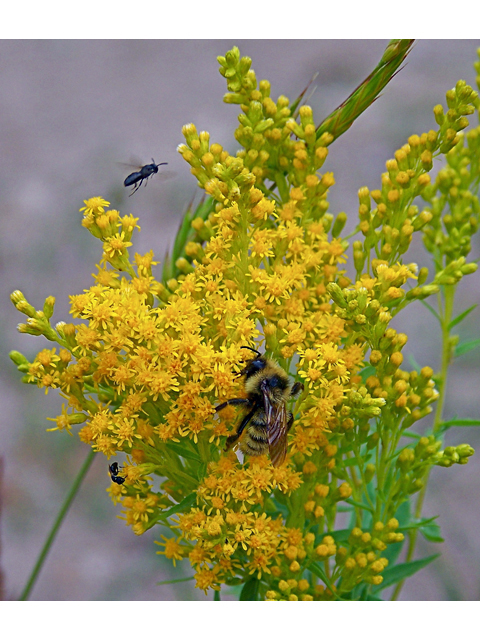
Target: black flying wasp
{"x":142,"y":173}
{"x":268,"y":389}
{"x":113,"y":469}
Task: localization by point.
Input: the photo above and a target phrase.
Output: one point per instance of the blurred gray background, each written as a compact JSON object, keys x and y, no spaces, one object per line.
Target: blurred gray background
{"x":69,"y":111}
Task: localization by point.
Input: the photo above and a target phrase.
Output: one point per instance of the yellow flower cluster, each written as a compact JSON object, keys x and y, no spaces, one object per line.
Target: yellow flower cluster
{"x":261,"y":266}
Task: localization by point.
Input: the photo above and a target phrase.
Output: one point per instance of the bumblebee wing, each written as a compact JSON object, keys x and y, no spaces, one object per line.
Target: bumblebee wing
{"x":276,"y":419}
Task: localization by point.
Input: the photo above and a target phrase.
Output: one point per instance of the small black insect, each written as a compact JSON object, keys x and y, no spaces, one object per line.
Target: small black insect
{"x":113,"y":468}
{"x":142,"y":174}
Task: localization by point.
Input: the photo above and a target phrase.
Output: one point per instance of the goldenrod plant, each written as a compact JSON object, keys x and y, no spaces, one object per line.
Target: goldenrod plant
{"x":261,"y":262}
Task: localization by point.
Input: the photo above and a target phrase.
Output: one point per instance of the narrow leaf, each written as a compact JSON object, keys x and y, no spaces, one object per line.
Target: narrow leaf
{"x":362,"y":593}
{"x":460,"y":317}
{"x":402,"y":571}
{"x":414,"y":363}
{"x":465,"y":347}
{"x":173,"y":581}
{"x":367,"y":92}
{"x":431,"y":532}
{"x":361,"y":505}
{"x":183,"y":505}
{"x":459,"y":422}
{"x":393,"y":551}
{"x":318,"y":571}
{"x":410,"y":434}
{"x":182,"y":451}
{"x":432,"y":310}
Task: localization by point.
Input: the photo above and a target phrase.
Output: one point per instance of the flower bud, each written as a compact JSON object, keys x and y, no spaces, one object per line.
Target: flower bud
{"x":339,"y":223}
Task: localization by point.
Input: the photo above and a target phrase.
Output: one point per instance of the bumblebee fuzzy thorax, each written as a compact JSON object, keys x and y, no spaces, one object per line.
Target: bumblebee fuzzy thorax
{"x":263,"y":373}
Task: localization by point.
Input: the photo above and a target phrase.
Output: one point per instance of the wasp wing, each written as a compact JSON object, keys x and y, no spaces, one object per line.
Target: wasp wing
{"x":165,"y":175}
{"x":276,"y":419}
{"x":134,"y":164}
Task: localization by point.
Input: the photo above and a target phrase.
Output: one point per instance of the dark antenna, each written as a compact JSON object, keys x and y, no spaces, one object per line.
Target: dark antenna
{"x":254,"y":350}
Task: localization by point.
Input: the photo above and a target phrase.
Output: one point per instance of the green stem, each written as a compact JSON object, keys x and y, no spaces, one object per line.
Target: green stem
{"x":446,"y":353}
{"x":61,"y":515}
{"x":446,"y":317}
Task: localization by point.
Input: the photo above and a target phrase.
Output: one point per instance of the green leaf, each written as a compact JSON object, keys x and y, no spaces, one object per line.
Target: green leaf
{"x":403,"y":515}
{"x":465,"y":347}
{"x":183,"y":505}
{"x":402,"y":571}
{"x":353,"y":462}
{"x":432,"y":310}
{"x":362,"y":593}
{"x":413,"y":363}
{"x":173,"y":581}
{"x":181,"y":450}
{"x":202,"y":471}
{"x":367,"y":92}
{"x":367,"y":372}
{"x":341,"y":535}
{"x":431,"y":532}
{"x":344,"y":509}
{"x":274,"y":507}
{"x":460,"y":317}
{"x":458,"y":422}
{"x":393,"y":551}
{"x":361,"y":505}
{"x":250,"y":589}
{"x":427,"y":527}
{"x":317,"y":570}
{"x":410,"y":434}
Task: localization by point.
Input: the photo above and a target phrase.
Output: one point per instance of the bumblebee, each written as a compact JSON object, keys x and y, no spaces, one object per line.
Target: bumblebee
{"x":113,"y":469}
{"x":267,"y":420}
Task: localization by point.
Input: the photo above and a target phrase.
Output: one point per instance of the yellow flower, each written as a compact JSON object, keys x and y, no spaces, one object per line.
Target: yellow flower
{"x":116,"y":245}
{"x":94,"y":205}
{"x":172,"y":549}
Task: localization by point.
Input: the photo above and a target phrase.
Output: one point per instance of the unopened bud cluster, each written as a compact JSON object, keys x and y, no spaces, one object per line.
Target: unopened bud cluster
{"x":360,"y":555}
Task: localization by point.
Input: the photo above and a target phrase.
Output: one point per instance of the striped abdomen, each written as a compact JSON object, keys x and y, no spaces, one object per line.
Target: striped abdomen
{"x":255,"y":442}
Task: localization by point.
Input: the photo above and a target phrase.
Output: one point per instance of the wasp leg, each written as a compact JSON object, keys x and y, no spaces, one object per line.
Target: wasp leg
{"x":137,"y":187}
{"x":233,"y":401}
{"x":233,"y":438}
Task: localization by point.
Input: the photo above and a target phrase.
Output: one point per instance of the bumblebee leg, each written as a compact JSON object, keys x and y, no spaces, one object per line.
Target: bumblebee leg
{"x":233,"y":438}
{"x":233,"y":401}
{"x":290,"y":421}
{"x":296,"y":389}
